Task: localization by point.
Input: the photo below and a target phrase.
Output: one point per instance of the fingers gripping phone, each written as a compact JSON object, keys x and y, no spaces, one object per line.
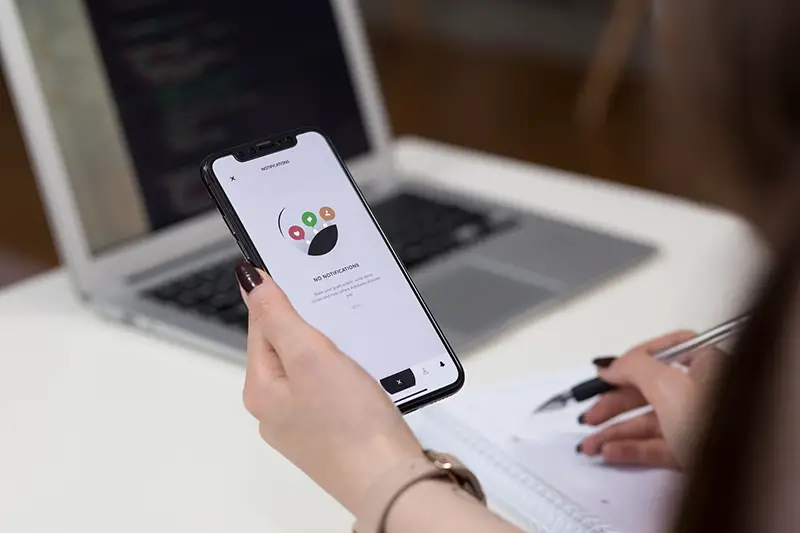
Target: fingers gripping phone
{"x":296,"y":212}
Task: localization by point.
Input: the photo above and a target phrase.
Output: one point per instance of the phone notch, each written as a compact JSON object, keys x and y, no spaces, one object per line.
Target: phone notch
{"x":257,"y":149}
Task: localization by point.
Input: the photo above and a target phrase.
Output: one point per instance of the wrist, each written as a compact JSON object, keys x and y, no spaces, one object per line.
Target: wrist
{"x":373,"y":462}
{"x":432,"y":469}
{"x":416,"y":502}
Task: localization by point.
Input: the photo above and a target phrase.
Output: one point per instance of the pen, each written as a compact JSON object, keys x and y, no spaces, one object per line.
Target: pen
{"x":593,"y":387}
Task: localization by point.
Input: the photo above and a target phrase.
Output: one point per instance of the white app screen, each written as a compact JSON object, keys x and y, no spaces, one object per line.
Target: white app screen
{"x":321,"y":246}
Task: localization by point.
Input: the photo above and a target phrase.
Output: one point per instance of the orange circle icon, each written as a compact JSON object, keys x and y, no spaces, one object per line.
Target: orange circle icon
{"x":327,"y":214}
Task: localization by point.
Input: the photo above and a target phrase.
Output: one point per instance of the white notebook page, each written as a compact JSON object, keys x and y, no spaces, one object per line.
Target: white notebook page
{"x":627,"y":500}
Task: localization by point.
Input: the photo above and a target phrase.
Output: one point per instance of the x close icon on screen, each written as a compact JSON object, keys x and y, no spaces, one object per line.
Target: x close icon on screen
{"x":399,"y":382}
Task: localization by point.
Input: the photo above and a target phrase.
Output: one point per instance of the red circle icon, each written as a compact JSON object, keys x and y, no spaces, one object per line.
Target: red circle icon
{"x":297,"y":233}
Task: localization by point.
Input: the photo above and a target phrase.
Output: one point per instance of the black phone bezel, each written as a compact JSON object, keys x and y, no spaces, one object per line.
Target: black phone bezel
{"x":235,"y":226}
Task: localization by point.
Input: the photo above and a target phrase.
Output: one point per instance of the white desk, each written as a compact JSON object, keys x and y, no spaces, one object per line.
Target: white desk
{"x":103,"y":429}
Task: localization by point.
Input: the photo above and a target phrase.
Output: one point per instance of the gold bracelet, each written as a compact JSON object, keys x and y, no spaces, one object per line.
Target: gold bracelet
{"x":385,"y":492}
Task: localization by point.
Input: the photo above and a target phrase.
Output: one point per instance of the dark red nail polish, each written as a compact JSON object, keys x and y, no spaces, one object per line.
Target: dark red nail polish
{"x":579,"y":448}
{"x":604,"y":362}
{"x":582,"y":419}
{"x":248,"y":276}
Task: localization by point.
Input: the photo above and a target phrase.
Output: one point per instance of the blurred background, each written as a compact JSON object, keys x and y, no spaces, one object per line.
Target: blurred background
{"x":502,"y":76}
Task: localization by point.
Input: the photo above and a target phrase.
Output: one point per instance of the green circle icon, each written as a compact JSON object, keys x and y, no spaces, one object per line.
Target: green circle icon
{"x":309,"y":219}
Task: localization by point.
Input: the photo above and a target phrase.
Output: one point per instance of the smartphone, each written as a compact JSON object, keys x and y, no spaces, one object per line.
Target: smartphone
{"x":296,"y":212}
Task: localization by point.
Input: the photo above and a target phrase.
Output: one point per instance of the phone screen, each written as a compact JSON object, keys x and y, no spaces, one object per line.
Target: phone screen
{"x":316,"y":237}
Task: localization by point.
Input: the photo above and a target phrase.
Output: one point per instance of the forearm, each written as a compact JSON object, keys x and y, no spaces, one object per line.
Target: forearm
{"x":441,"y":507}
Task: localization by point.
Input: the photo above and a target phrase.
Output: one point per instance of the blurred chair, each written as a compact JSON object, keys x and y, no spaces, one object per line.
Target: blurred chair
{"x":613,"y":53}
{"x":605,"y":72}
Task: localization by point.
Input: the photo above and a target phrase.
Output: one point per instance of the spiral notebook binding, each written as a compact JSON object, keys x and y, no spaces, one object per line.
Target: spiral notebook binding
{"x":513,"y":490}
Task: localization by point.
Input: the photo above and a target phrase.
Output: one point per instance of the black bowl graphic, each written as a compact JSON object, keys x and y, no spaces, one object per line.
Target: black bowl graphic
{"x":324,"y":241}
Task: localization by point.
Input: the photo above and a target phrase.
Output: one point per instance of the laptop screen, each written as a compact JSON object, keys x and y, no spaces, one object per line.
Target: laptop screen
{"x":182,"y":79}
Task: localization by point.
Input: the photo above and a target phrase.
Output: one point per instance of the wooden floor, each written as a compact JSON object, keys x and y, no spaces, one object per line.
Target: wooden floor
{"x":519,"y":106}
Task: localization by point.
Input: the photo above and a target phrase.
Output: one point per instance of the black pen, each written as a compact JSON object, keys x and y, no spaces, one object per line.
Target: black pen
{"x":593,"y":387}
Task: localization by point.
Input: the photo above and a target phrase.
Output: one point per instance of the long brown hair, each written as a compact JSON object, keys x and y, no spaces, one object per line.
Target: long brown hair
{"x":728,"y":115}
{"x":740,"y":428}
{"x":731,"y":90}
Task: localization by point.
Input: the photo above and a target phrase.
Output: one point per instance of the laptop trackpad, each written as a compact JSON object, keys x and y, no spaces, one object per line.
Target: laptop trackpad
{"x":468,"y":300}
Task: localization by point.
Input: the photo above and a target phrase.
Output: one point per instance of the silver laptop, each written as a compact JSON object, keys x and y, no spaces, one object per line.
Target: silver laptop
{"x":120,"y":102}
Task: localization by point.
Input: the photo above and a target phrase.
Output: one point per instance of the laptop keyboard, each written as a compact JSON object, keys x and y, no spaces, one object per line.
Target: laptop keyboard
{"x":420,"y":230}
{"x":212,"y":292}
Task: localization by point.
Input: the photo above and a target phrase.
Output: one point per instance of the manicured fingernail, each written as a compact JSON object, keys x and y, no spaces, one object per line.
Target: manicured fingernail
{"x":248,"y":277}
{"x":582,"y":419}
{"x":604,"y":362}
{"x":579,"y":448}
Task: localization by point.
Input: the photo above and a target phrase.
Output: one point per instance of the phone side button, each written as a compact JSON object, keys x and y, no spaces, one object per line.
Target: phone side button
{"x":244,"y":251}
{"x":238,"y":242}
{"x":230,"y":228}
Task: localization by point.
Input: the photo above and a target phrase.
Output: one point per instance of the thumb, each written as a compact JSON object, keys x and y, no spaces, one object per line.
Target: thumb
{"x":638,"y":369}
{"x":659,"y":383}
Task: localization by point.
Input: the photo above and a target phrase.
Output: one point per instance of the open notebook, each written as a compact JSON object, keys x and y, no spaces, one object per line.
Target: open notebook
{"x":529,"y":467}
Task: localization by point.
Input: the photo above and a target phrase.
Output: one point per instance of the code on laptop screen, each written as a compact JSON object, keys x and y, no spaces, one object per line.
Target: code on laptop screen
{"x":191,"y":77}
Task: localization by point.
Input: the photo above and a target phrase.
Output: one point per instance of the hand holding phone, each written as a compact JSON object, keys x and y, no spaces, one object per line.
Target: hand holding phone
{"x":316,"y":406}
{"x":297,"y":213}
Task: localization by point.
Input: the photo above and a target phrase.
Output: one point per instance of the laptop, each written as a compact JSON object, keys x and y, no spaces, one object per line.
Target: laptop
{"x":121,"y":101}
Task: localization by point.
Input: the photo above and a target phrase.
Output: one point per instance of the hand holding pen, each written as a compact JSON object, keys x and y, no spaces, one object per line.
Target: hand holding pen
{"x":677,"y":352}
{"x":664,"y":436}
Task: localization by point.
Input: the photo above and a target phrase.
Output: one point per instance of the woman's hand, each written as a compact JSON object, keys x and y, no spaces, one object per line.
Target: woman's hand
{"x":314,"y":404}
{"x":666,"y":436}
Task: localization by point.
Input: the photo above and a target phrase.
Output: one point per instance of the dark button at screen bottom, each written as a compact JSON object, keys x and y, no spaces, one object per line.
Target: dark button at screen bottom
{"x":399,"y":382}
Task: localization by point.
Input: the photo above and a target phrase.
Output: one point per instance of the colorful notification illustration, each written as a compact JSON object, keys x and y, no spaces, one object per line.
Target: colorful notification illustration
{"x":312,"y":231}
